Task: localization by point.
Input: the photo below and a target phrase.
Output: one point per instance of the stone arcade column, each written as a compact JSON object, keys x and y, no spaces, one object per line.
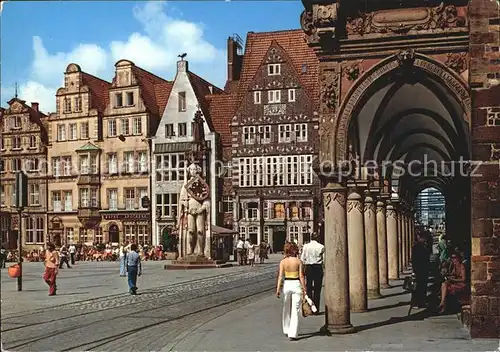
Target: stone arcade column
{"x":356,"y":249}
{"x":392,"y":242}
{"x":382,"y":244}
{"x":404,"y":241}
{"x":372,"y":270}
{"x":336,"y":293}
{"x":400,"y":213}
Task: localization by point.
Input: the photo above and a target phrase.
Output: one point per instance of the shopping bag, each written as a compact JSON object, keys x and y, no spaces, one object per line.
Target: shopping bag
{"x":410,"y":284}
{"x":306,"y":308}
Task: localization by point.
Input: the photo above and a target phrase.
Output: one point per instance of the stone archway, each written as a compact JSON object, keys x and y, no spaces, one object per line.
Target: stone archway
{"x":424,"y":64}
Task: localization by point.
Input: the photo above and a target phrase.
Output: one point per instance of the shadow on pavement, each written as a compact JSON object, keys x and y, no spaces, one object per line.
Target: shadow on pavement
{"x":395,"y":320}
{"x":394,"y":294}
{"x":399,"y":304}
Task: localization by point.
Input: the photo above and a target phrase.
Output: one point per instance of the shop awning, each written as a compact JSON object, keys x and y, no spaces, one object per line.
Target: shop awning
{"x":222,"y":231}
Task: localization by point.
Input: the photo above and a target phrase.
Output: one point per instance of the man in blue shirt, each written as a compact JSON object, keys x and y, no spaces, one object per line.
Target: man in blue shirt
{"x":134,"y":268}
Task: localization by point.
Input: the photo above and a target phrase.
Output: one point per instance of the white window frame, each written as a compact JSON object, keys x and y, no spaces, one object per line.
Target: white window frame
{"x":128,"y":162}
{"x":129,"y":196}
{"x":84,"y":164}
{"x":61,"y":132}
{"x":171,"y":167}
{"x":291,"y":95}
{"x":112,"y":130}
{"x":227,"y":204}
{"x":84,"y":130}
{"x":257,"y":97}
{"x":265,"y":134}
{"x":249,"y":135}
{"x":285,"y":133}
{"x":142,"y":192}
{"x":84,"y":194}
{"x":169,"y":130}
{"x":67,"y":199}
{"x":274,"y":69}
{"x":274,"y":96}
{"x":112,"y":163}
{"x":137,"y":126}
{"x":94,"y":164}
{"x":301,"y":132}
{"x":143,"y":161}
{"x":56,"y":166}
{"x":167,"y":204}
{"x":65,"y":162}
{"x":72,"y":132}
{"x":112,"y":198}
{"x":124,"y":126}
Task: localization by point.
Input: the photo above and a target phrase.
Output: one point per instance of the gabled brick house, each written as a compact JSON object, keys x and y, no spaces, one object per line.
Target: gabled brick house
{"x":274,"y":136}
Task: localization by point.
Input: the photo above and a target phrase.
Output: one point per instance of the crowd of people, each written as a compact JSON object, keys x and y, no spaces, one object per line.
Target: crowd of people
{"x":248,"y":252}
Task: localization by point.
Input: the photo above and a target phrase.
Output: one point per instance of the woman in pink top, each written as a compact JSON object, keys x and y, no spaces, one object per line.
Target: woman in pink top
{"x":51,"y":268}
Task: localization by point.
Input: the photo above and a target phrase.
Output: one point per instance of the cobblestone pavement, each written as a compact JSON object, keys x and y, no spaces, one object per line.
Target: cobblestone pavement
{"x":384,"y":327}
{"x":148,"y":321}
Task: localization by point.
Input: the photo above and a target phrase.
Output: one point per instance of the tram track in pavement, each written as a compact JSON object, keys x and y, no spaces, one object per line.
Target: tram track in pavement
{"x":143,"y":296}
{"x":154,"y":310}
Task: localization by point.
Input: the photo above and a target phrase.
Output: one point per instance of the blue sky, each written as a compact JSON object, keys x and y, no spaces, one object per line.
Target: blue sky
{"x":39,"y":39}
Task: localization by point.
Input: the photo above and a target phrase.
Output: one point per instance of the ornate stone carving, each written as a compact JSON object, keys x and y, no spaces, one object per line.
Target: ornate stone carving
{"x":320,"y":22}
{"x":274,"y":56}
{"x":354,"y":204}
{"x":339,"y":198}
{"x":306,"y":22}
{"x":274,"y":192}
{"x":406,"y":57}
{"x":16,"y":108}
{"x":327,"y":200}
{"x":274,"y":109}
{"x":457,"y":62}
{"x":391,"y":213}
{"x":370,"y":207}
{"x":352,"y":70}
{"x":402,"y":21}
{"x":329,"y":89}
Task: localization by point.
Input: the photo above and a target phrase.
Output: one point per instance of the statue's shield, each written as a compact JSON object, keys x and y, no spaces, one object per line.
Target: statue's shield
{"x":198,"y":188}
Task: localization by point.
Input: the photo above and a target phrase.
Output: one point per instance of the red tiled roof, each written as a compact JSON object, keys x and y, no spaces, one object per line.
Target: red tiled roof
{"x":99,"y":91}
{"x":222,"y":109}
{"x":202,"y":89}
{"x":154,"y":90}
{"x":294,"y":44}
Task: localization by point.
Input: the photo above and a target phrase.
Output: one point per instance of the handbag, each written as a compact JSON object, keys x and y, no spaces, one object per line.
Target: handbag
{"x":306,"y":308}
{"x":410,"y":284}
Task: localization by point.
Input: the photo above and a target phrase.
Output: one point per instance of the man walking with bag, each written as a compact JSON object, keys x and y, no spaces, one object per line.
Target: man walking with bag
{"x":312,"y":257}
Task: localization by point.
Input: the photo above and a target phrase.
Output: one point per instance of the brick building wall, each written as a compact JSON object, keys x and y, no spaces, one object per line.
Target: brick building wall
{"x":485,"y":83}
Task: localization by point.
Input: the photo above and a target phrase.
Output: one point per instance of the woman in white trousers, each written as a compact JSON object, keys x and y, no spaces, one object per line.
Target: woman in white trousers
{"x":291,"y":274}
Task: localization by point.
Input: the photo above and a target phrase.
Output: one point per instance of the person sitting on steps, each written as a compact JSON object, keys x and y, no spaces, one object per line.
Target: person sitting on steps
{"x":455,"y":282}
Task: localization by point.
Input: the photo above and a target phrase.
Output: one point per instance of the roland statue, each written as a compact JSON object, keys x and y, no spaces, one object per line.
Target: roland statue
{"x":194,"y":208}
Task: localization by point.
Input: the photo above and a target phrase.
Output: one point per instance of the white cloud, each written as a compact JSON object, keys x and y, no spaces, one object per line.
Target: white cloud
{"x":155,"y":49}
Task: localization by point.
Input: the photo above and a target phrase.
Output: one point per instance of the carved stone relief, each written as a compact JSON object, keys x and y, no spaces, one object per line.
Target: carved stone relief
{"x":330,"y":86}
{"x":391,"y":213}
{"x":261,"y":149}
{"x":457,"y":62}
{"x":354,"y":204}
{"x":352,"y":70}
{"x":402,"y":21}
{"x":274,"y":56}
{"x":274,"y":192}
{"x":406,"y":57}
{"x":370,"y":207}
{"x":320,"y":22}
{"x":16,"y":108}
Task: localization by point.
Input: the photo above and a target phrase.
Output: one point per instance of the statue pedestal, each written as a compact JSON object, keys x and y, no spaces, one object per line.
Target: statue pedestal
{"x":196,"y":262}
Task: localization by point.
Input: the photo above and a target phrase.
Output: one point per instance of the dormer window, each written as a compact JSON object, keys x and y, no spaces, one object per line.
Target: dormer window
{"x":130,"y":98}
{"x":67,"y":105}
{"x":181,"y":101}
{"x":274,"y":96}
{"x":118,"y":100}
{"x":256,"y":97}
{"x":274,"y":69}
